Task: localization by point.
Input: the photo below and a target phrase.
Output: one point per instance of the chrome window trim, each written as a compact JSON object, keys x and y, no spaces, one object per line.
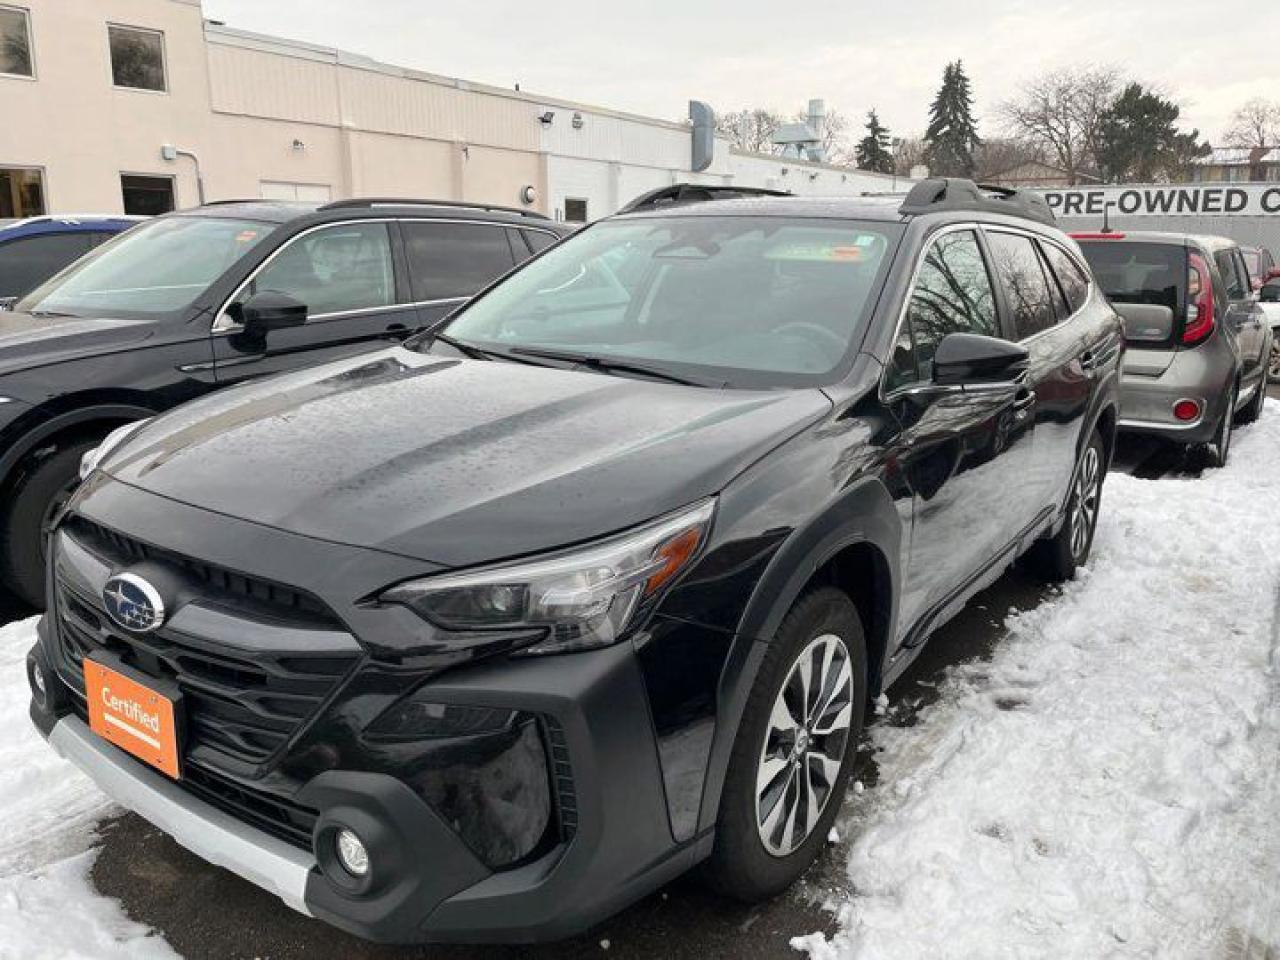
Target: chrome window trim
{"x":224,"y":324}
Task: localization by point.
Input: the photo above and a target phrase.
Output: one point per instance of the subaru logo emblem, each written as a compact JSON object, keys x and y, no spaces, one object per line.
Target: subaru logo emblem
{"x":133,"y":603}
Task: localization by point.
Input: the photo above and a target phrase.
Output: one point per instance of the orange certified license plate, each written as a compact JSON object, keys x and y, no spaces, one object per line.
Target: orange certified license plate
{"x":132,"y":715}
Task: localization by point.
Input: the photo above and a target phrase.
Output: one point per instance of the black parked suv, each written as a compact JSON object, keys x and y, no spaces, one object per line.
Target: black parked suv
{"x":201,"y":299}
{"x":489,"y":634}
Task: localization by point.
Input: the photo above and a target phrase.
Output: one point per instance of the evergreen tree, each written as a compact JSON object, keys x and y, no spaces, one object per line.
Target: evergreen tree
{"x":1139,"y":139}
{"x":952,"y":136}
{"x":873,"y":151}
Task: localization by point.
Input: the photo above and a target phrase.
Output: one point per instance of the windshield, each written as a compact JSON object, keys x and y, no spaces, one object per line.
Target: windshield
{"x":757,"y":301}
{"x":157,"y":267}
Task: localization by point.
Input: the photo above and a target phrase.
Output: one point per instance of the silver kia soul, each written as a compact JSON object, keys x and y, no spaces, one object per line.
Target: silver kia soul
{"x":1198,"y":341}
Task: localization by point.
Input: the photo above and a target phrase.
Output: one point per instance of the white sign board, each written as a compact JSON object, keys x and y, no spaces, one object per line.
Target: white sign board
{"x":1184,"y":199}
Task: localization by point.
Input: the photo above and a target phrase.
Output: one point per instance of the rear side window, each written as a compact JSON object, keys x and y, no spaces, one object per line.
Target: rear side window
{"x":953,"y":294}
{"x":538,"y":240}
{"x":27,"y":262}
{"x":451,"y":260}
{"x":1229,"y":267}
{"x":1026,"y":288}
{"x":1074,"y":284}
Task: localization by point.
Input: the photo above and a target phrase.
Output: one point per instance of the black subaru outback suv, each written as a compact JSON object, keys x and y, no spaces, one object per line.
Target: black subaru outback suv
{"x":491,"y":633}
{"x":197,"y":300}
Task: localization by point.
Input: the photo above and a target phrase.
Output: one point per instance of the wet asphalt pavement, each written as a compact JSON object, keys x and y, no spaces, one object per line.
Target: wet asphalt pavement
{"x":205,"y":912}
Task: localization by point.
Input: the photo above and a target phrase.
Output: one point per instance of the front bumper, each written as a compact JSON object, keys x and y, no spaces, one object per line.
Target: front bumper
{"x":206,"y":831}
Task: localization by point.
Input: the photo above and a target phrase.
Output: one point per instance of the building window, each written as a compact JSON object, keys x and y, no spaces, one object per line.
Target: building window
{"x":21,"y":192}
{"x":146,"y":196}
{"x":575,"y":211}
{"x":15,"y":43}
{"x":137,"y":58}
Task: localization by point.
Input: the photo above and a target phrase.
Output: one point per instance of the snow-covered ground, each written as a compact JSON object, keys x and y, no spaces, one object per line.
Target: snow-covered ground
{"x":48,"y":816}
{"x":1108,"y":785}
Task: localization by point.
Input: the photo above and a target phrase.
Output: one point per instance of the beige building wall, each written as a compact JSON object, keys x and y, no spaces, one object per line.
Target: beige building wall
{"x":84,"y":132}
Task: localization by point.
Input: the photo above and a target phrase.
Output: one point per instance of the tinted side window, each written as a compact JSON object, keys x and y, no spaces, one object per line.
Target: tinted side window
{"x":29,"y":261}
{"x":333,"y":270}
{"x":449,"y":260}
{"x":1025,"y":286}
{"x":1227,"y":266}
{"x":1075,"y":285}
{"x":538,"y":240}
{"x":953,"y":293}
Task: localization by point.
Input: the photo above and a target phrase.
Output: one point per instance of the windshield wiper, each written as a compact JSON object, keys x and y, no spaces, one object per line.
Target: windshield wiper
{"x":622,"y":366}
{"x":52,"y":313}
{"x":475,"y":353}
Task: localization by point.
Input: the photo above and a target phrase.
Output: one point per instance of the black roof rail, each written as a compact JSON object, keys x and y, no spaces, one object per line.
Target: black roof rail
{"x":696,"y":193}
{"x":357,"y":202}
{"x":953,"y":193}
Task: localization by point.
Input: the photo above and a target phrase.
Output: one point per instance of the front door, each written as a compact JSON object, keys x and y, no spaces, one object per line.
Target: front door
{"x":346,"y":275}
{"x":959,"y":448}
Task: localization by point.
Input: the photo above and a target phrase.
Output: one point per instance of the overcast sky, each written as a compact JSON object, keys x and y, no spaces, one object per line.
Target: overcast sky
{"x":652,"y":56}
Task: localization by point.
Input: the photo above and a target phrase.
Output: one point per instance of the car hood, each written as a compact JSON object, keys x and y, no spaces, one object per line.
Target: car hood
{"x":27,"y":341}
{"x":456,"y":462}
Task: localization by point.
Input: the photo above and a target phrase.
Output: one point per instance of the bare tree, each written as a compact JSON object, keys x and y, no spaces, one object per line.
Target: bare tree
{"x":1256,"y":124}
{"x":908,"y":153}
{"x":832,"y":136}
{"x":749,"y":129}
{"x":999,"y":155}
{"x":1061,"y":113}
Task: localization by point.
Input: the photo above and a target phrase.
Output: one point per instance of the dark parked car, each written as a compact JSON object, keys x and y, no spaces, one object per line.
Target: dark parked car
{"x":34,"y":249}
{"x":1200,"y":343}
{"x":487,"y":635}
{"x":194,"y":301}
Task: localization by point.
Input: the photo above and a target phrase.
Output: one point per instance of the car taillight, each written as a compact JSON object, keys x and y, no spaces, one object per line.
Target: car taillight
{"x":1199,"y":301}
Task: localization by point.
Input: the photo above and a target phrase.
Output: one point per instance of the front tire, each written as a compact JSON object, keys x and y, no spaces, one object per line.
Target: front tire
{"x":42,"y":487}
{"x":794,"y":750}
{"x":1273,"y":362}
{"x":1055,"y":560}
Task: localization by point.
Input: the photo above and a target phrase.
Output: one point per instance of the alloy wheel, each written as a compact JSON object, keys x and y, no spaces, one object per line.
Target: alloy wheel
{"x":1085,"y":510}
{"x":1273,"y":365}
{"x":804,"y":745}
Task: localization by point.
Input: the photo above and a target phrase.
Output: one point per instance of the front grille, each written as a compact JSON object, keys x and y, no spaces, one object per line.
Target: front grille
{"x":241,"y":706}
{"x":263,"y":595}
{"x":281,"y":818}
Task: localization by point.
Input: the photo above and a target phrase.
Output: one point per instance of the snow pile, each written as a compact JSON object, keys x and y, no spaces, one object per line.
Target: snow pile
{"x":1108,"y":784}
{"x":48,"y":813}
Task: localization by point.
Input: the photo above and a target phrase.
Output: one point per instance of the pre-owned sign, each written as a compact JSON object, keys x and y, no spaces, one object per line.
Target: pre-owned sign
{"x":1239,"y":200}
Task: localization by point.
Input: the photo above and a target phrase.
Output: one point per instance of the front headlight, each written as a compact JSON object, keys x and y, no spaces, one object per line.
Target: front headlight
{"x":89,"y":462}
{"x":584,"y":598}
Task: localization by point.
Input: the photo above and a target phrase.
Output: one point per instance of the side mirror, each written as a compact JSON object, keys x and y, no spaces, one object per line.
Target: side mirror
{"x":270,"y":310}
{"x":1145,"y":322}
{"x":973,"y":358}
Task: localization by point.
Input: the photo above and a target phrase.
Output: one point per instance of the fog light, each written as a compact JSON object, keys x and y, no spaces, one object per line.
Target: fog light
{"x":1186,"y":410}
{"x":352,"y":853}
{"x":38,"y":682}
